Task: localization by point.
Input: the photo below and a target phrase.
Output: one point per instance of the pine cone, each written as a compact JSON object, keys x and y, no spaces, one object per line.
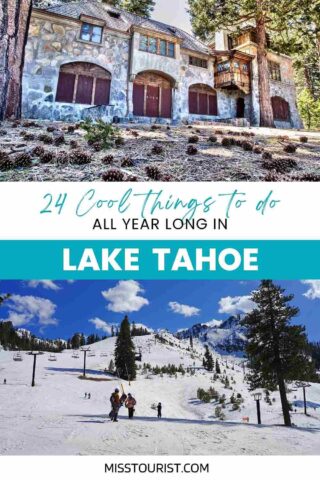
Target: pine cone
{"x":46,"y":157}
{"x":192,"y":150}
{"x":153,"y":172}
{"x":23,"y":160}
{"x":79,"y":157}
{"x":113,"y":176}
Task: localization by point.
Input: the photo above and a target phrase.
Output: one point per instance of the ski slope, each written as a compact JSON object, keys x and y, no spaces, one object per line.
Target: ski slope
{"x":54,"y":418}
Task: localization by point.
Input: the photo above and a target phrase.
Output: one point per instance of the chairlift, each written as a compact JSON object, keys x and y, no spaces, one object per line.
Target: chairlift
{"x":91,"y":354}
{"x":103,"y":354}
{"x":17,"y":357}
{"x":75,"y":355}
{"x":52,"y":358}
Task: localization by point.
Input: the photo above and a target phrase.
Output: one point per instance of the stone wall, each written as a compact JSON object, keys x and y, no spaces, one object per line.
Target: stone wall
{"x":53,"y":42}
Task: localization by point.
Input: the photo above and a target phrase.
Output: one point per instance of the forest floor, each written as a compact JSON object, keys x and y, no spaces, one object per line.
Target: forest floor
{"x":218,"y":153}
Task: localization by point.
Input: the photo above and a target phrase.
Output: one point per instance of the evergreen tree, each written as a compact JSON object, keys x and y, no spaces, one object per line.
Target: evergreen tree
{"x":208,"y":360}
{"x":191,"y":342}
{"x":210,"y":16}
{"x":111,"y":366}
{"x":125,"y":352}
{"x":218,"y":370}
{"x":144,"y":8}
{"x":277,"y":351}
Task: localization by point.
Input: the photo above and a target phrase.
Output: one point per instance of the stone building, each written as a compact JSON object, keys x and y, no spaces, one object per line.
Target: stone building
{"x":88,"y":59}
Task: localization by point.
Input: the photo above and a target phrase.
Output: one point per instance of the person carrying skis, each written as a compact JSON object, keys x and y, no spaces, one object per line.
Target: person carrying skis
{"x":159,"y":408}
{"x":130,"y":404}
{"x":116,"y":404}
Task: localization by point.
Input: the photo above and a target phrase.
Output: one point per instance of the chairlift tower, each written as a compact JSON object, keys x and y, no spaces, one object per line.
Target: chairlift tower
{"x":85,"y":350}
{"x":34,"y":354}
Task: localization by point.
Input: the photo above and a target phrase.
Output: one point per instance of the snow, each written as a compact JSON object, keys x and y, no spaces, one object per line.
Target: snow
{"x":54,"y":418}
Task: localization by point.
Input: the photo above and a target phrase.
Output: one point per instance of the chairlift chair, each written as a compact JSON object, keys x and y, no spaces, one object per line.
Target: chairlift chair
{"x":17,"y":357}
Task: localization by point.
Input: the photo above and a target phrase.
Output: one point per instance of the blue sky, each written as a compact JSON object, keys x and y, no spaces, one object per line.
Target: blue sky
{"x":173,"y":12}
{"x":58,"y":309}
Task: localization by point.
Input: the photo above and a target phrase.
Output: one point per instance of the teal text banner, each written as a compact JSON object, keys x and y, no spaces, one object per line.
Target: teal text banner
{"x":241,"y":260}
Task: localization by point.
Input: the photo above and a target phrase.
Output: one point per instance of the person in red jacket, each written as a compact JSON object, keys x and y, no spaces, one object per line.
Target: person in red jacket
{"x":130,"y":404}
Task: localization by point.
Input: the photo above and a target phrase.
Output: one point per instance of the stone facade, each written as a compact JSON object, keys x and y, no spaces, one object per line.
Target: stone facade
{"x":54,"y":41}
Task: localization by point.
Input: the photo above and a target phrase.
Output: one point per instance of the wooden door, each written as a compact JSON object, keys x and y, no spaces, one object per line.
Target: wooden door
{"x":213,"y":105}
{"x":138,"y":100}
{"x":166,"y":102}
{"x":65,"y":87}
{"x":102,"y":92}
{"x":203,"y":104}
{"x":240,"y":107}
{"x":193,"y":102}
{"x":84,"y":90}
{"x":152,"y":101}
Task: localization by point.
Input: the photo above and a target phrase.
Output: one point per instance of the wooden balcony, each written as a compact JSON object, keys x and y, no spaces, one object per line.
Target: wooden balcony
{"x":232,"y":80}
{"x":232,"y":70}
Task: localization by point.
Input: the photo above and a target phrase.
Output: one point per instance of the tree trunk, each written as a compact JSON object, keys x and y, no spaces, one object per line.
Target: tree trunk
{"x":14,"y":25}
{"x":266,"y":112}
{"x":284,"y":401}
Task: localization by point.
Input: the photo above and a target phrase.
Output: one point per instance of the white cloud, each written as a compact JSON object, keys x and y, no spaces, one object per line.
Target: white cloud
{"x":125,"y":297}
{"x":185,"y":310}
{"x":101,"y":325}
{"x":314,"y":289}
{"x":26,"y":309}
{"x":47,"y":284}
{"x":233,"y":305}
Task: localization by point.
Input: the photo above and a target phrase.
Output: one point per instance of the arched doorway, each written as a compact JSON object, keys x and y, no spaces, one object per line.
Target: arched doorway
{"x":152,"y":95}
{"x":281,"y":109}
{"x":202,"y":100}
{"x":84,"y":83}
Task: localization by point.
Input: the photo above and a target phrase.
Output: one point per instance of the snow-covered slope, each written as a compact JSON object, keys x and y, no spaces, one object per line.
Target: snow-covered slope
{"x":225,"y":336}
{"x":55,"y":418}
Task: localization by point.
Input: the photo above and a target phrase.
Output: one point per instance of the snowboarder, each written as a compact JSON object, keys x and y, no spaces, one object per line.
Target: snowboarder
{"x":85,"y":395}
{"x":89,"y":396}
{"x":116,"y":404}
{"x":5,"y":381}
{"x":130,"y":404}
{"x":159,"y":408}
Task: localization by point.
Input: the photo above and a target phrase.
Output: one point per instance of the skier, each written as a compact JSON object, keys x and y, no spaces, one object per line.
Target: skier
{"x":89,"y":396}
{"x":5,"y":381}
{"x":130,"y":404}
{"x":85,"y":395}
{"x":159,"y":408}
{"x":116,"y":404}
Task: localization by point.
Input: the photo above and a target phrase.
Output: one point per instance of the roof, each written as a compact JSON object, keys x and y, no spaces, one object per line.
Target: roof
{"x":125,"y":22}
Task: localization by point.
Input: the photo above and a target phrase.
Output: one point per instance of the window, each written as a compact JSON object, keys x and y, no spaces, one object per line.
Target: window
{"x":113,"y":14}
{"x":198,"y":62}
{"x":83,"y":83}
{"x":157,"y":46}
{"x":91,"y":33}
{"x":223,"y":67}
{"x":274,"y":71}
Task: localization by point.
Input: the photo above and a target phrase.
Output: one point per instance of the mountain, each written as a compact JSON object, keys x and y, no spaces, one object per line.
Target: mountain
{"x":224,"y":336}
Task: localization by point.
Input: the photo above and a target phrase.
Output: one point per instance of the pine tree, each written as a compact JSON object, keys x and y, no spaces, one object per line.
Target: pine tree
{"x":208,"y":360}
{"x":210,"y":16}
{"x":191,"y":342}
{"x":111,"y":366}
{"x":218,"y":370}
{"x":277,"y":351}
{"x":125,"y":352}
{"x":144,"y":8}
